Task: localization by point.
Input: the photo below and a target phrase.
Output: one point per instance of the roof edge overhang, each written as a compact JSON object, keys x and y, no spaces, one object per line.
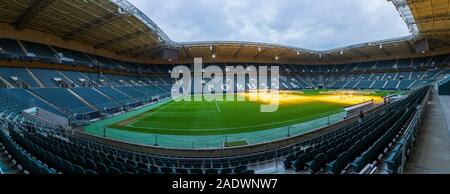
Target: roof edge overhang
{"x":131,"y":9}
{"x":401,"y":5}
{"x":303,"y":50}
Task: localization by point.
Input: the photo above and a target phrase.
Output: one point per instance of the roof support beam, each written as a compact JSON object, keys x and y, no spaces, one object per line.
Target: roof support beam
{"x":300,"y":56}
{"x":213,"y":51}
{"x":439,"y":32}
{"x":34,"y":9}
{"x":187,"y":52}
{"x":131,"y":50}
{"x":236,"y":54}
{"x":92,"y":25}
{"x":310,"y":56}
{"x":416,"y":1}
{"x":146,"y":52}
{"x":385,"y":52}
{"x":433,"y":18}
{"x":411,"y":47}
{"x":361,"y":53}
{"x":339,"y":55}
{"x":329,"y":55}
{"x":260,"y":53}
{"x":283,"y":53}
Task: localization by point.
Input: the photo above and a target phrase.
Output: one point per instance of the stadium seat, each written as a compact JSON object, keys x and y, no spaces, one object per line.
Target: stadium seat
{"x":315,"y":165}
{"x":112,"y":170}
{"x":90,"y":164}
{"x":166,"y":170}
{"x":240,"y":169}
{"x":144,"y":171}
{"x":77,"y":169}
{"x":196,"y":171}
{"x":211,"y":171}
{"x":89,"y":171}
{"x":226,"y":171}
{"x":101,"y":168}
{"x":154,"y":169}
{"x":181,"y":171}
{"x":300,"y":162}
{"x":68,"y":167}
{"x":338,"y":165}
{"x":248,"y":172}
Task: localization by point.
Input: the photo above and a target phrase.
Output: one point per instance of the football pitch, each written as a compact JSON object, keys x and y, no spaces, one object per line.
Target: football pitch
{"x":231,"y":117}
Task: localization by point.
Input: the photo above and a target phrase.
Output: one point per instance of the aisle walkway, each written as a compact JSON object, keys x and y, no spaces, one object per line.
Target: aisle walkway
{"x":431,"y":153}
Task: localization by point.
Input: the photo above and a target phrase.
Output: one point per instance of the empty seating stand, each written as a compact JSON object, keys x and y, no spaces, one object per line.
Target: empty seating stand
{"x":12,"y":47}
{"x":23,"y":157}
{"x":51,"y":78}
{"x":309,"y":76}
{"x":391,"y":85}
{"x":10,"y":74}
{"x":43,"y":52}
{"x":357,"y":144}
{"x":81,"y":157}
{"x":102,"y":102}
{"x":78,"y":58}
{"x":60,"y":97}
{"x":23,"y":99}
{"x":120,"y":97}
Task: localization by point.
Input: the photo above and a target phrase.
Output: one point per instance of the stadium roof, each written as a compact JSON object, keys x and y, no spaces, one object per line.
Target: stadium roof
{"x":432,"y":18}
{"x":118,"y":26}
{"x":112,"y":24}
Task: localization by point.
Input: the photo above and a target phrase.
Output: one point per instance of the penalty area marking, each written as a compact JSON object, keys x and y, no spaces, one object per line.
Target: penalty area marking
{"x":169,"y":112}
{"x":138,"y":120}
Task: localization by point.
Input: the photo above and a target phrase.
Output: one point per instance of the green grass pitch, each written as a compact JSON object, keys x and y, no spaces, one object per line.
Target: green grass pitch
{"x":218,"y":118}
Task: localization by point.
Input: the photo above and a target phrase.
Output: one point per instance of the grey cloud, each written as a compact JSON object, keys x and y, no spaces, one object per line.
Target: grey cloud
{"x":312,"y":24}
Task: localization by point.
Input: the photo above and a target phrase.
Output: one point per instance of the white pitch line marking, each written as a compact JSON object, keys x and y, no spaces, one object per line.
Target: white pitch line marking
{"x":137,"y":120}
{"x":233,"y":128}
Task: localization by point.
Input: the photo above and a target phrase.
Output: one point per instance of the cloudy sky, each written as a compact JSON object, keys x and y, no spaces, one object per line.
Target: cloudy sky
{"x":311,"y":24}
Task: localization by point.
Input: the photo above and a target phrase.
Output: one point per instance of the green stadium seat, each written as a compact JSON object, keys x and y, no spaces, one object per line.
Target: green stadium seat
{"x":181,"y":171}
{"x":240,"y":169}
{"x":101,"y":168}
{"x":144,"y":171}
{"x":211,"y":171}
{"x":226,"y":171}
{"x":300,"y":162}
{"x":339,"y":164}
{"x":316,"y":164}
{"x":119,"y":166}
{"x":331,"y":155}
{"x":113,"y":170}
{"x":196,"y":171}
{"x":142,"y":165}
{"x":67,"y":167}
{"x":167,"y":170}
{"x":155,"y":169}
{"x":77,"y":169}
{"x":90,"y":164}
{"x":248,"y":172}
{"x":89,"y":171}
{"x":130,"y":168}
